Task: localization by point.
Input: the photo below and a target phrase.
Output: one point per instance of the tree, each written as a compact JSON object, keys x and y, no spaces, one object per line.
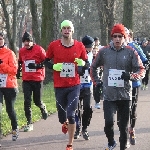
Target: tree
{"x":106,"y":18}
{"x":35,"y":24}
{"x":49,"y":28}
{"x":128,"y":14}
{"x":10,"y":28}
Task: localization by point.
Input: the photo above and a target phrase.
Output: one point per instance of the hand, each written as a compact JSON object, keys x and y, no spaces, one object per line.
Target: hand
{"x":125,"y":76}
{"x":1,"y":61}
{"x":32,"y":66}
{"x":79,"y":62}
{"x":57,"y":67}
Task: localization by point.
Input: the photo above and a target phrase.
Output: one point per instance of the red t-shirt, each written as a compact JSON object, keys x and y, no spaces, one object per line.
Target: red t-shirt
{"x":37,"y":54}
{"x":62,"y":54}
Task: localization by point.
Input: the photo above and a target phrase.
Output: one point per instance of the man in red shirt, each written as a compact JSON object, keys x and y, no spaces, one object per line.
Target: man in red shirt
{"x":31,"y":57}
{"x":67,"y":55}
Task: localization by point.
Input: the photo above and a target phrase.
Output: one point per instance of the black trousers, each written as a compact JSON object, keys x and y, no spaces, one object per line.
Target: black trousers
{"x":29,"y":87}
{"x":123,"y":110}
{"x":97,"y":93}
{"x":85,"y":118}
{"x":9,"y":95}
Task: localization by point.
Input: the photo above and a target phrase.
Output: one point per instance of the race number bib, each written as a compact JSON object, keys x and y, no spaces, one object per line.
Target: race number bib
{"x":85,"y":78}
{"x":114,"y":78}
{"x":26,"y":66}
{"x":68,"y":70}
{"x":3,"y":79}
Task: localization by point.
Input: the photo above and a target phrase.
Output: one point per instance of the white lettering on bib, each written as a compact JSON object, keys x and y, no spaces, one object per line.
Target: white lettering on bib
{"x":114,"y":78}
{"x":68,"y":70}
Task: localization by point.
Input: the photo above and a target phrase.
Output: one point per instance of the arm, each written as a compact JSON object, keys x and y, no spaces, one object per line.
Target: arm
{"x":138,"y":68}
{"x":98,"y":61}
{"x":11,"y":66}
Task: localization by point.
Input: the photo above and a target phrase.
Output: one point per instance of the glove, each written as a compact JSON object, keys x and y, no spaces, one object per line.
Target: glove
{"x":35,"y":66}
{"x":32,"y":66}
{"x":125,"y":76}
{"x":1,"y":61}
{"x":79,"y":62}
{"x":57,"y":67}
{"x":99,"y":84}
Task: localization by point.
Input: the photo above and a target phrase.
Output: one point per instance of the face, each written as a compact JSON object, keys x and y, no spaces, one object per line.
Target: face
{"x":97,"y":42}
{"x":94,"y":51}
{"x":1,"y":41}
{"x":67,"y":32}
{"x":27,"y":44}
{"x":118,"y":40}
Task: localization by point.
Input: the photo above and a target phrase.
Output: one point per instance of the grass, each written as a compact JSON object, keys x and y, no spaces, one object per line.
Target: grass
{"x":47,"y":97}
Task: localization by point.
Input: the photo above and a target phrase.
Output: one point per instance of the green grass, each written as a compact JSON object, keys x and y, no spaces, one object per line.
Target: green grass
{"x":47,"y":97}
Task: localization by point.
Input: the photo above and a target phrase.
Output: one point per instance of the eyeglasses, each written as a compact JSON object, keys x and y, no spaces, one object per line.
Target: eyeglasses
{"x":119,"y":36}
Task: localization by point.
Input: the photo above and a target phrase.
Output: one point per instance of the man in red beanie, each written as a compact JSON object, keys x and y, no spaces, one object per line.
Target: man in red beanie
{"x":121,"y":66}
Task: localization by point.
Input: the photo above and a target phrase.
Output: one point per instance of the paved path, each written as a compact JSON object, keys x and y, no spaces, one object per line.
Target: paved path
{"x":47,"y":134}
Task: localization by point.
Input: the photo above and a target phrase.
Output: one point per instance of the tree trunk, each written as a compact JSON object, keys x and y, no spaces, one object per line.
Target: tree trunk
{"x":35,"y":24}
{"x":128,"y":14}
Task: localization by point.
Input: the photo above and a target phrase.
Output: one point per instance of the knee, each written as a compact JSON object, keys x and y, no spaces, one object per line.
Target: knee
{"x":71,"y":120}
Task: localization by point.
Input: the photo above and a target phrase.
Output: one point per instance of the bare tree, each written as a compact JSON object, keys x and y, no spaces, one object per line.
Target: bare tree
{"x":106,"y":18}
{"x":128,"y":14}
{"x":10,"y":28}
{"x":35,"y":23}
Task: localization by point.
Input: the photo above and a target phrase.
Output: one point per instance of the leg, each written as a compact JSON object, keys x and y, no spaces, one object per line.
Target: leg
{"x":10,"y":97}
{"x":124,"y":112}
{"x":27,"y":90}
{"x":37,"y":87}
{"x":109,"y":112}
{"x":73,"y":98}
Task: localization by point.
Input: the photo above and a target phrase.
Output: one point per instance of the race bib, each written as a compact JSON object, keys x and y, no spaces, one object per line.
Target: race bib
{"x":68,"y":70}
{"x":3,"y":79}
{"x":85,"y":78}
{"x":26,"y":66}
{"x":114,"y":78}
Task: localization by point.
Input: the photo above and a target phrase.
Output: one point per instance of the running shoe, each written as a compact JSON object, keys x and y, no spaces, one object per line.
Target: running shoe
{"x":85,"y":135}
{"x":111,"y":147}
{"x":15,"y":134}
{"x":28,"y":127}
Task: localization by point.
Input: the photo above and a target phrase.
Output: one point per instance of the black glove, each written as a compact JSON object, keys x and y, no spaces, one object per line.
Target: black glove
{"x":125,"y":76}
{"x":35,"y":66}
{"x":32,"y":66}
{"x":1,"y":61}
{"x":99,"y":84}
{"x":81,"y":71}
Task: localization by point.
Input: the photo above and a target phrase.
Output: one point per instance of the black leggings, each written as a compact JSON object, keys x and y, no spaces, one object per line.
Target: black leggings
{"x":28,"y":88}
{"x":9,"y":95}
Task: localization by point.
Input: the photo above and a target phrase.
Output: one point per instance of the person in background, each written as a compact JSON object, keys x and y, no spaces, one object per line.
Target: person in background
{"x":135,"y":85}
{"x":67,"y":54}
{"x":8,"y":84}
{"x":85,"y":94}
{"x":121,"y":65}
{"x":31,"y":58}
{"x":97,"y":43}
{"x":97,"y":90}
{"x":146,"y":50}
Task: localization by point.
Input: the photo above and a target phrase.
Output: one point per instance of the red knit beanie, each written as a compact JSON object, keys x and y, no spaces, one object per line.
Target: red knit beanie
{"x":118,"y":28}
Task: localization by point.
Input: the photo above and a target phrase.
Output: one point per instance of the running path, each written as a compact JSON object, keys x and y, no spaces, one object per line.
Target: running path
{"x":47,"y":133}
